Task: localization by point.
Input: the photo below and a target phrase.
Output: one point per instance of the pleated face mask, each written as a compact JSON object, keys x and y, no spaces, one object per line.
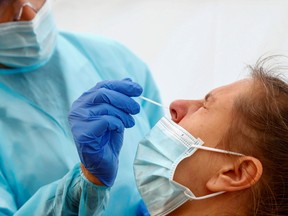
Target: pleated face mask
{"x":28,"y":44}
{"x":157,"y":157}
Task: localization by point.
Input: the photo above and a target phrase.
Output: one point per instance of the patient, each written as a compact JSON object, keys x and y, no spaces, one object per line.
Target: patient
{"x":248,"y":119}
{"x":225,"y":154}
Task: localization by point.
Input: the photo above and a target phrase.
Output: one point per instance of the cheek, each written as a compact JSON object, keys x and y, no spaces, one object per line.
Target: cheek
{"x":187,"y":172}
{"x":6,"y":15}
{"x":195,"y":123}
{"x":190,"y":172}
{"x":207,"y":125}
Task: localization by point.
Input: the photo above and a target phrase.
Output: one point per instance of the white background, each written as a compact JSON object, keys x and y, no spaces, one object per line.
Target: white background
{"x":191,"y":46}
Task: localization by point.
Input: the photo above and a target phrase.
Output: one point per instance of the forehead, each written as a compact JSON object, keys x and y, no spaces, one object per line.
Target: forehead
{"x":233,"y":89}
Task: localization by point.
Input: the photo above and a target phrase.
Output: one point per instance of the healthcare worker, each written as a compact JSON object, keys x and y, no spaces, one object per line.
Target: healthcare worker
{"x":42,"y":71}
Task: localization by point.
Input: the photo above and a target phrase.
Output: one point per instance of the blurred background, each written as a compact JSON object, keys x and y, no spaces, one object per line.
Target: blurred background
{"x":191,"y":46}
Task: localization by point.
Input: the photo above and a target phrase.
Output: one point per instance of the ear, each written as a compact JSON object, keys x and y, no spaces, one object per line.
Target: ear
{"x":236,"y":175}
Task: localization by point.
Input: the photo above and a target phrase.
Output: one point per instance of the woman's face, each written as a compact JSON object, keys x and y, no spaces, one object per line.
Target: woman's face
{"x":207,"y":119}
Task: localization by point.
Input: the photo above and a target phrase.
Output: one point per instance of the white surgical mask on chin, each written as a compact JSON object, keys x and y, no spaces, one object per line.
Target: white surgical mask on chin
{"x":157,"y":157}
{"x":28,"y":44}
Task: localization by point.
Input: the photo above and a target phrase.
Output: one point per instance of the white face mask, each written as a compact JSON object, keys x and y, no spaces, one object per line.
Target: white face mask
{"x":28,"y":44}
{"x":156,"y":160}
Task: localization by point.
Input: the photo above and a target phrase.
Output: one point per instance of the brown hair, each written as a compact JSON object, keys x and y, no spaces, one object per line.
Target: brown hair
{"x":260,"y":128}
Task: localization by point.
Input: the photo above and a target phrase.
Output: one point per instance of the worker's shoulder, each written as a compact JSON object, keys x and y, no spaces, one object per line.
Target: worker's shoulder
{"x":96,"y":43}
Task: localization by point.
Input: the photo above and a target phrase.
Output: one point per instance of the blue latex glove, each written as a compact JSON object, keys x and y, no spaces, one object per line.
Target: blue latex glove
{"x":97,"y":119}
{"x":142,"y":209}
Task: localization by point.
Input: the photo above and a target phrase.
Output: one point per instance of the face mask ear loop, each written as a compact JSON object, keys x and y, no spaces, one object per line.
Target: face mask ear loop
{"x":21,"y":9}
{"x":203,"y":197}
{"x":215,"y":149}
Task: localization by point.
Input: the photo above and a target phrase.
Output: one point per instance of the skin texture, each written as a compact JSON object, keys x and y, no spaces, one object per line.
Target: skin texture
{"x":207,"y":172}
{"x":90,"y":177}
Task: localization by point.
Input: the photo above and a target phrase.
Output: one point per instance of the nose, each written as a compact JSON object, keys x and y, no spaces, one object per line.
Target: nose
{"x":180,"y":108}
{"x":26,"y":13}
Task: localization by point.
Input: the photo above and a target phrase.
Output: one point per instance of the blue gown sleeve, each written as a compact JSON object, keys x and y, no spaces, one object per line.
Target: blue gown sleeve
{"x":71,"y":195}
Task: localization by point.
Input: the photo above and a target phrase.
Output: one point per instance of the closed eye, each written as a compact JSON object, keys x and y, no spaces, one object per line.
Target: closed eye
{"x":204,"y":105}
{"x":209,"y":98}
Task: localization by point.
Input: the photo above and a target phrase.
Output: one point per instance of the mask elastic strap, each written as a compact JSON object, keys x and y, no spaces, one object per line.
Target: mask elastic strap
{"x":204,"y":197}
{"x":214,"y":149}
{"x":197,"y":143}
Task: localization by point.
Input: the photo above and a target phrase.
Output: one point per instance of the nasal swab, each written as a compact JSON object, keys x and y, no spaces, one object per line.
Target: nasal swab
{"x":153,"y":102}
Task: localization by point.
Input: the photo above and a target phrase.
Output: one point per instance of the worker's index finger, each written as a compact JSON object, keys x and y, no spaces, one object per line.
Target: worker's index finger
{"x":116,"y":99}
{"x":125,"y":86}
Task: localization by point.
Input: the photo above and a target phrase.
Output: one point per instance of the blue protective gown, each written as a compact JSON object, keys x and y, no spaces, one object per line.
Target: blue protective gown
{"x":39,"y":164}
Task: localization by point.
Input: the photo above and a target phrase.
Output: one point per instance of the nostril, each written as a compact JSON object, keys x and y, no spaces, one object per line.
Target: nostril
{"x":178,"y":110}
{"x":175,"y":110}
{"x":174,"y":115}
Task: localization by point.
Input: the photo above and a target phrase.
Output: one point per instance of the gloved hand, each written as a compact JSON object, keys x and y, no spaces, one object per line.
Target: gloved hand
{"x":97,"y":119}
{"x":142,"y":209}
